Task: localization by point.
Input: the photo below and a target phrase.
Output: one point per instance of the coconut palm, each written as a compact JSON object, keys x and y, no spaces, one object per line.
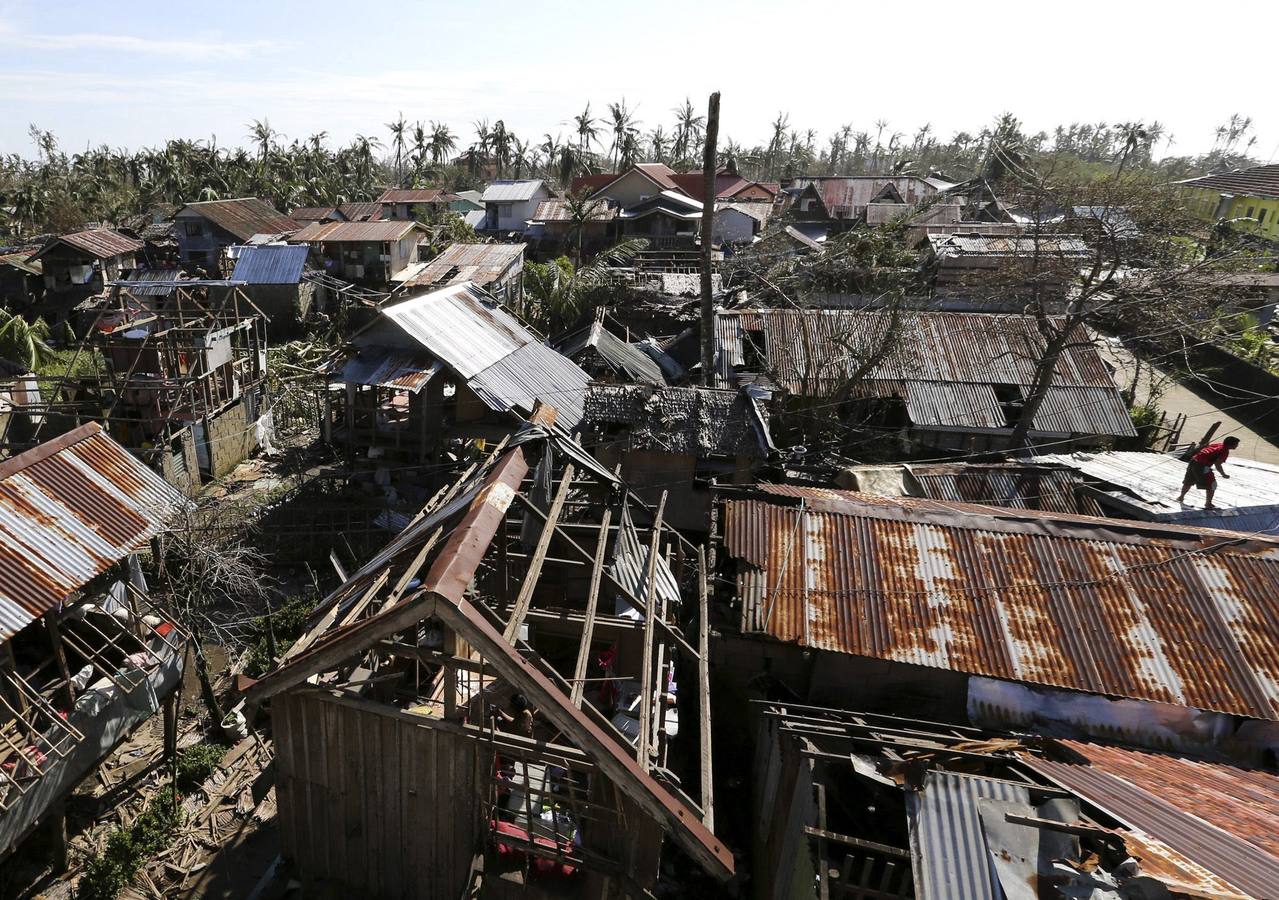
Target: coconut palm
{"x":442,"y":142}
{"x":23,"y":342}
{"x":398,"y":130}
{"x":587,"y":130}
{"x":556,"y":293}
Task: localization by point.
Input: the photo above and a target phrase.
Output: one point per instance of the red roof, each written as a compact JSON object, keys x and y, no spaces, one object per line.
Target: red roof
{"x":100,"y":243}
{"x":726,"y":186}
{"x":589,"y":184}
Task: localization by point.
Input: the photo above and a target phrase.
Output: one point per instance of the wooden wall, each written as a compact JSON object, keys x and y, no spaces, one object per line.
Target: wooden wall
{"x":372,"y":802}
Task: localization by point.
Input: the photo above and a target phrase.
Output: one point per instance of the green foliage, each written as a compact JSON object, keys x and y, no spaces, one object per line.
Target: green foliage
{"x":23,"y":342}
{"x":287,"y":623}
{"x":108,"y":873}
{"x":446,"y":229}
{"x":197,"y":763}
{"x":1249,"y":341}
{"x":557,"y":293}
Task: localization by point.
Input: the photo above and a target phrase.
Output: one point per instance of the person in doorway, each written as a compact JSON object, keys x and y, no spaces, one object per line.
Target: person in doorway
{"x":519,"y":720}
{"x":1199,"y":469}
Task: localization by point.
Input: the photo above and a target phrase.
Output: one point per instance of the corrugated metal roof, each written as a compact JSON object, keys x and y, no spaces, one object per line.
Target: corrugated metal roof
{"x":619,"y":355}
{"x":365,"y":211}
{"x":390,"y":368}
{"x":243,"y":217}
{"x":270,"y":264}
{"x":1152,"y":612}
{"x":949,"y":855}
{"x":1015,"y":486}
{"x":353,"y":232}
{"x":151,"y":282}
{"x":960,"y":245}
{"x":694,"y":420}
{"x":69,"y":509}
{"x":461,"y":325}
{"x":630,"y":566}
{"x":1225,"y":818}
{"x":23,"y":263}
{"x":1147,"y":484}
{"x":943,"y":364}
{"x":844,"y":196}
{"x":511,"y":191}
{"x":100,"y":243}
{"x":480,"y":263}
{"x":1255,"y":181}
{"x":557,"y":211}
{"x":312,"y":213}
{"x":534,"y":372}
{"x":411,"y":195}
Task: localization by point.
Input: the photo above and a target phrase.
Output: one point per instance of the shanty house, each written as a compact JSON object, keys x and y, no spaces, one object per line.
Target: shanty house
{"x":853,"y":804}
{"x":366,"y":252}
{"x":308,"y":215}
{"x":956,"y":610}
{"x":271,"y":278}
{"x":81,"y":264}
{"x":205,"y":229}
{"x":510,"y":204}
{"x":497,"y":268}
{"x":84,"y":656}
{"x":740,"y":222}
{"x":1004,"y":265}
{"x":675,"y":439}
{"x":407,"y":767}
{"x":415,"y":204}
{"x":21,"y":281}
{"x":446,"y":365}
{"x":956,"y":381}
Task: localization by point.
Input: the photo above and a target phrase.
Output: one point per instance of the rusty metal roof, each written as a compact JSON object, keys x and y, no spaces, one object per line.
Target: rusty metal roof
{"x":480,"y":263}
{"x":308,"y":214}
{"x":361,"y":211}
{"x":1224,"y":818}
{"x":22,"y":263}
{"x":353,"y":232}
{"x":1255,"y":181}
{"x":100,"y":243}
{"x":1016,"y":485}
{"x":1177,"y":615}
{"x":390,"y":368}
{"x":411,"y":195}
{"x":944,"y":365}
{"x":69,"y":509}
{"x":243,"y":217}
{"x":556,"y":210}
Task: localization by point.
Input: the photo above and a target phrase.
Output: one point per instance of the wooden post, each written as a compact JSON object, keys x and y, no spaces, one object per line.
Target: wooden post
{"x":592,"y":603}
{"x":58,"y":837}
{"x":704,"y":690}
{"x":525,"y":596}
{"x":708,"y":233}
{"x":646,"y":664}
{"x":60,"y":656}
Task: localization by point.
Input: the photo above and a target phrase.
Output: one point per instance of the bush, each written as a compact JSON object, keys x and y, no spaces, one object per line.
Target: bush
{"x":287,"y":622}
{"x":109,"y":873}
{"x":197,"y":763}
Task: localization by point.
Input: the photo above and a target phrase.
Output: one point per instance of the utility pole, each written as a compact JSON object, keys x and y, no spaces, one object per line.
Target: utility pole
{"x":708,"y":228}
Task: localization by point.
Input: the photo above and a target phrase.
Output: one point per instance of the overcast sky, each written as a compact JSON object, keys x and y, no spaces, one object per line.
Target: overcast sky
{"x":131,"y":73}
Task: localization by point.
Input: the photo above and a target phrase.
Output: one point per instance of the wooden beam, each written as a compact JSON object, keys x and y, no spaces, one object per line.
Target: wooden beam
{"x":646,"y":662}
{"x":306,"y":640}
{"x":859,"y":843}
{"x":653,"y":799}
{"x":592,"y":604}
{"x":704,"y":690}
{"x":672,"y":632}
{"x":525,"y":597}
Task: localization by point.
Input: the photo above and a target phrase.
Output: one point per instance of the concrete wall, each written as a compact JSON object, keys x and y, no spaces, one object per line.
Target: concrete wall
{"x":231,"y":438}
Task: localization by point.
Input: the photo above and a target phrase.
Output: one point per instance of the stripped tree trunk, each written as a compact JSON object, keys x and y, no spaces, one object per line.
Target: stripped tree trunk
{"x":708,"y":228}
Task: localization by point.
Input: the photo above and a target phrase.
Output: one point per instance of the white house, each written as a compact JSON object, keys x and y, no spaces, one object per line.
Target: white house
{"x":509,"y":205}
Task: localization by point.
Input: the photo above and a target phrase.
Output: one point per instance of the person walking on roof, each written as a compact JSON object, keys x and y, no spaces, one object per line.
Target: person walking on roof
{"x":1199,"y":469}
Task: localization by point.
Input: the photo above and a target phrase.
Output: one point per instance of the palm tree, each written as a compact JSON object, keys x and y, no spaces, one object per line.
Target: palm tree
{"x":442,"y":142}
{"x":580,"y":210}
{"x":688,"y":131}
{"x":657,"y":144}
{"x":262,"y":134}
{"x":556,"y":292}
{"x":397,"y":129}
{"x":23,"y":342}
{"x":587,"y":131}
{"x":625,"y":128}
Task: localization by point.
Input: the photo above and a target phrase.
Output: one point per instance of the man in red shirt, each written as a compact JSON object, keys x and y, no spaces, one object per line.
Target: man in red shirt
{"x":1199,"y":469}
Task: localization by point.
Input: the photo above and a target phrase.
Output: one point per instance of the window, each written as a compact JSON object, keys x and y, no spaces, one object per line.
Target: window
{"x":1251,"y":210}
{"x":193,"y":227}
{"x":1261,"y":217}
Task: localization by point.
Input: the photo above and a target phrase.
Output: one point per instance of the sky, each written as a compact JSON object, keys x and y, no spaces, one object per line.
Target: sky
{"x":129,"y":73}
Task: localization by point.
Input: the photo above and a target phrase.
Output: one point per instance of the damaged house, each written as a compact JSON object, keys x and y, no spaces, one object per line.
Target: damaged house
{"x":79,"y":265}
{"x":491,"y":706}
{"x":1004,"y":268}
{"x":447,"y":365}
{"x":371,"y":253}
{"x":206,"y":229}
{"x":84,"y":656}
{"x":676,"y":440}
{"x":952,"y":381}
{"x":852,"y":804}
{"x":495,"y":268}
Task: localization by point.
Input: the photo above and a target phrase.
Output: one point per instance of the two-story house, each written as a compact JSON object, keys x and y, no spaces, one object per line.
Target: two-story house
{"x":509,"y":205}
{"x":204,"y":230}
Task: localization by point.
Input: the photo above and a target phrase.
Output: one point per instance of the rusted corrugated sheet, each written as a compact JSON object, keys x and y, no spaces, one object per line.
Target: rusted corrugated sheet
{"x":534,"y":372}
{"x":1015,"y":486}
{"x":69,"y":509}
{"x":480,"y":263}
{"x":100,"y":243}
{"x":1153,"y":612}
{"x":353,"y":232}
{"x":243,"y":216}
{"x":1221,"y":817}
{"x":411,"y":195}
{"x":390,"y":368}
